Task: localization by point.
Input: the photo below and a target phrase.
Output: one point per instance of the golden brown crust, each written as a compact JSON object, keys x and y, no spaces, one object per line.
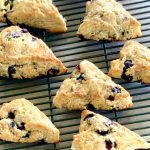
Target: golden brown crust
{"x":21,"y":121}
{"x":98,"y":132}
{"x":88,"y":85}
{"x":108,"y":20}
{"x":25,"y":56}
{"x":40,"y":14}
{"x":134,"y":63}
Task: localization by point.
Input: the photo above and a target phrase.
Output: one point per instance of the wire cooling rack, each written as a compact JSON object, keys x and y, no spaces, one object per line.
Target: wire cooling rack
{"x":72,"y":50}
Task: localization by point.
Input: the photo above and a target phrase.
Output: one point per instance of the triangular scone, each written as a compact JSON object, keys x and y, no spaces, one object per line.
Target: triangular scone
{"x":40,"y":14}
{"x":108,"y":20}
{"x":134,"y":63}
{"x":99,"y":133}
{"x":25,"y":56}
{"x":89,"y":85}
{"x":21,"y":121}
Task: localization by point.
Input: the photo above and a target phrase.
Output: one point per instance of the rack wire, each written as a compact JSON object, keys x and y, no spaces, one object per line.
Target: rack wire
{"x":71,"y":50}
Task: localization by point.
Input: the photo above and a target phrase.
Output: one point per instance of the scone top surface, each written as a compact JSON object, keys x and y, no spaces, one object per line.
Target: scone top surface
{"x":27,"y":55}
{"x":21,"y":121}
{"x":98,"y":132}
{"x":133,"y":64}
{"x":108,"y":20}
{"x":40,"y":14}
{"x":89,"y":85}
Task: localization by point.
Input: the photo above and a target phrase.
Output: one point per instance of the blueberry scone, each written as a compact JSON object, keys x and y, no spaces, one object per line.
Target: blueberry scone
{"x":90,"y":86}
{"x":40,"y":14}
{"x":25,"y":56}
{"x":108,"y":20}
{"x":99,"y":133}
{"x":21,"y":121}
{"x":134,"y":63}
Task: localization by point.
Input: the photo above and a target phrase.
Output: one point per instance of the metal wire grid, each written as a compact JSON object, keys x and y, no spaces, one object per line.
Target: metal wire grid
{"x":71,"y":51}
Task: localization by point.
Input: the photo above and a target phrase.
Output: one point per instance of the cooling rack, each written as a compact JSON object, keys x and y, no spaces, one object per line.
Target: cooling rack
{"x":71,"y":50}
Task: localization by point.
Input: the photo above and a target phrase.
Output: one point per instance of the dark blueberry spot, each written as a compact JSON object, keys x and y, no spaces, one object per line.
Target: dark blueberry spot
{"x":10,"y":2}
{"x":128,"y":64}
{"x":34,"y":38}
{"x":13,"y":124}
{"x":21,"y":127}
{"x":108,"y":144}
{"x":103,"y":133}
{"x":81,"y":37}
{"x":116,"y":90}
{"x":111,"y":98}
{"x":81,"y":77}
{"x":53,"y":71}
{"x":11,"y":115}
{"x":42,"y":142}
{"x":88,"y":116}
{"x":123,"y":33}
{"x":15,"y":34}
{"x":6,"y":2}
{"x":115,"y":145}
{"x":24,"y":30}
{"x":90,"y":107}
{"x":27,"y":135}
{"x":11,"y":70}
{"x":129,"y":78}
{"x":78,"y":67}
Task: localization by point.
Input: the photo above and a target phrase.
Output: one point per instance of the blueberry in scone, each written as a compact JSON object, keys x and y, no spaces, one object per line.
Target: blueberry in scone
{"x":40,"y":14}
{"x":25,"y":56}
{"x":108,"y":20}
{"x":97,"y":132}
{"x":90,"y":87}
{"x":21,"y":121}
{"x":133,"y":64}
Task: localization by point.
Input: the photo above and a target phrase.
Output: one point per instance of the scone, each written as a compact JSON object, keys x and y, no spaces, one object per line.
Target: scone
{"x":25,"y":56}
{"x":21,"y":121}
{"x":90,"y":86}
{"x":134,"y":63}
{"x":40,"y":14}
{"x":108,"y":20}
{"x":2,"y":11}
{"x":99,"y":133}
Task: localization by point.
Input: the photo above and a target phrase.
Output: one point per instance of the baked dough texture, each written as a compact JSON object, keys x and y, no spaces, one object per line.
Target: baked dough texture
{"x":99,"y":133}
{"x":90,"y":86}
{"x":21,"y":121}
{"x":2,"y":11}
{"x":108,"y":20}
{"x":40,"y":14}
{"x":133,"y":64}
{"x":25,"y":56}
